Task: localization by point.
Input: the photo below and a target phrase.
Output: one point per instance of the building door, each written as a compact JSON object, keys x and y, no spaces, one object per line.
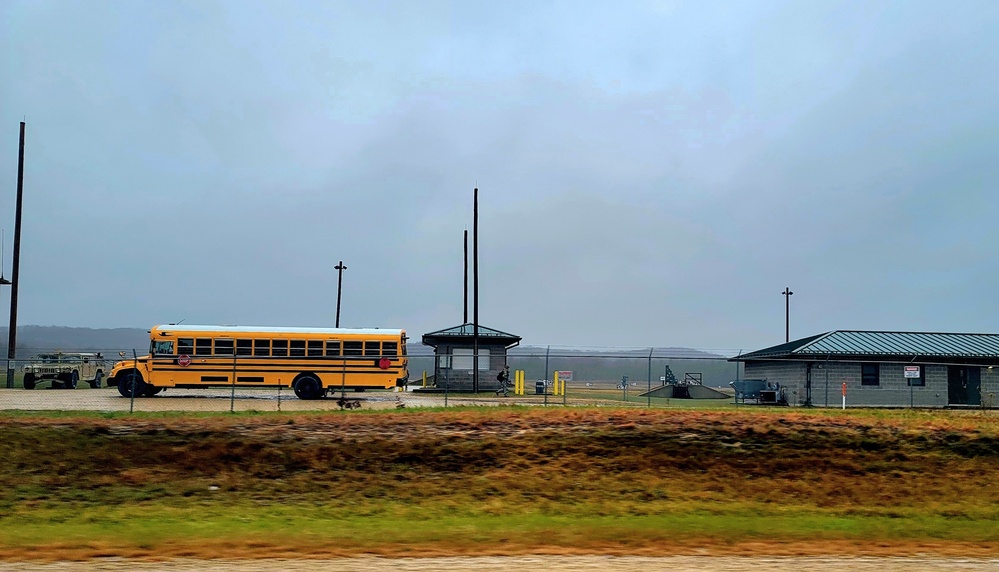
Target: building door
{"x":964,"y":385}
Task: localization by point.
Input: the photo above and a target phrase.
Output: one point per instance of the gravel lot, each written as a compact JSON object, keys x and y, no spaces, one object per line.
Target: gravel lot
{"x":108,"y":399}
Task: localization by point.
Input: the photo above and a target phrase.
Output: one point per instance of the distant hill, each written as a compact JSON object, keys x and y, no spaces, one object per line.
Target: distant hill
{"x":35,"y":339}
{"x":587,"y":364}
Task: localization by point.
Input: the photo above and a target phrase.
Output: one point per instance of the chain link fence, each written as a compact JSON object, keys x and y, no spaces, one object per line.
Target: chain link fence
{"x":538,"y":377}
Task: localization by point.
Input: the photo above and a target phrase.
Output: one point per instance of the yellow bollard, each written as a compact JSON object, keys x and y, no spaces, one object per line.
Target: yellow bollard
{"x":424,"y":378}
{"x":555,"y":384}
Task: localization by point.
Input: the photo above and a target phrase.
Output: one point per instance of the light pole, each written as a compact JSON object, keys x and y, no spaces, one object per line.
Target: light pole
{"x":14,"y":282}
{"x":787,"y":313}
{"x":4,"y":282}
{"x":339,"y":282}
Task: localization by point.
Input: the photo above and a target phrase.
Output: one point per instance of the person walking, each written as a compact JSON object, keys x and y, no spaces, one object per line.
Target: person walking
{"x":504,"y":378}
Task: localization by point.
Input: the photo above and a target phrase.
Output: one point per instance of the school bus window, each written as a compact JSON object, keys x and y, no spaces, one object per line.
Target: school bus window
{"x":261,"y":348}
{"x":332,"y":348}
{"x":203,"y":347}
{"x":244,"y":347}
{"x":161,"y":347}
{"x":223,"y":347}
{"x":352,"y":348}
{"x":279,"y":348}
{"x":373,"y":349}
{"x":315,"y":348}
{"x":390,"y":348}
{"x":185,"y":346}
{"x":297,"y":348}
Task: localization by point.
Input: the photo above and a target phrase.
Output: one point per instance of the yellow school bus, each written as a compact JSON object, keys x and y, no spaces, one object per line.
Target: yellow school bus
{"x":312,"y":361}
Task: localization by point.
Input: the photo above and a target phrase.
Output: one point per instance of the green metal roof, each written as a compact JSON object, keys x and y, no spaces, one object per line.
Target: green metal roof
{"x":855,"y":343}
{"x":466,"y":332}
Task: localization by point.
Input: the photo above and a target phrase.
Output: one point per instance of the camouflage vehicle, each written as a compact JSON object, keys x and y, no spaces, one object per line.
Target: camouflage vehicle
{"x":65,"y":370}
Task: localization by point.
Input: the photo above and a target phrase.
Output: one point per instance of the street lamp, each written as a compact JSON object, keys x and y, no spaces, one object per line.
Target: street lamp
{"x":339,"y":282}
{"x":787,"y":314}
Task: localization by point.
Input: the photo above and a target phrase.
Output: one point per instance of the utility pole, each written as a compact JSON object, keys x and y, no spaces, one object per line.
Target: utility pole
{"x":475,"y":290}
{"x":787,"y":314}
{"x":12,"y":334}
{"x":465,"y":319}
{"x":339,"y":282}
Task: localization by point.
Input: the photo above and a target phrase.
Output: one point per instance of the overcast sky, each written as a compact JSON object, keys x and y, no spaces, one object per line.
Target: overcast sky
{"x":649,"y":173}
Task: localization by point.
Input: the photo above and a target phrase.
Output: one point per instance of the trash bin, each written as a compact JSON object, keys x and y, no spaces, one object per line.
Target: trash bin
{"x":539,"y":388}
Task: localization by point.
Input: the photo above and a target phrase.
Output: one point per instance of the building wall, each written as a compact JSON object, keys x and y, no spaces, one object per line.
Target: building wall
{"x":990,"y":386}
{"x":491,"y":361}
{"x":893,"y":390}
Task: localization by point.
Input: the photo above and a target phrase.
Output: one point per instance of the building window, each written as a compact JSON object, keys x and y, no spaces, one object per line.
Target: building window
{"x":463,"y":359}
{"x":870,"y":374}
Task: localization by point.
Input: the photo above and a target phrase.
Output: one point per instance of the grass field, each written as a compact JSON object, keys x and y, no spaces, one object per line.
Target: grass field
{"x":502,"y":480}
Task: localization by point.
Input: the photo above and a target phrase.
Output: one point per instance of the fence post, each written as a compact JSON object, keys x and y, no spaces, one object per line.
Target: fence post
{"x":232,"y":394}
{"x":135,"y":364}
{"x":649,"y":393}
{"x":547,"y":352}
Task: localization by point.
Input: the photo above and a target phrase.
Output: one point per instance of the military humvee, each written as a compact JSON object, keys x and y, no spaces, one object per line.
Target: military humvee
{"x":65,"y":370}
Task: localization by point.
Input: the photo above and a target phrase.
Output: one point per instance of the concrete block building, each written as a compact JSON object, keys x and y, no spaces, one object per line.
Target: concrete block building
{"x":454,"y":361}
{"x":882,"y":369}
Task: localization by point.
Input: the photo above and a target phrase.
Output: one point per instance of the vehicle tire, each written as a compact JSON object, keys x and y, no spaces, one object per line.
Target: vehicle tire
{"x":149,"y":390}
{"x":29,"y":381}
{"x":308,"y":387}
{"x":126,"y":381}
{"x":96,"y":382}
{"x":72,"y":381}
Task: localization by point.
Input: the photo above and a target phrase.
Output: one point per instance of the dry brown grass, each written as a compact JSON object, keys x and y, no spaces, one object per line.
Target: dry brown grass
{"x":512,"y":463}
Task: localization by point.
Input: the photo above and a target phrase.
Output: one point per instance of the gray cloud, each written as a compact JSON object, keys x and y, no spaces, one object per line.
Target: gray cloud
{"x":654,"y":174}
